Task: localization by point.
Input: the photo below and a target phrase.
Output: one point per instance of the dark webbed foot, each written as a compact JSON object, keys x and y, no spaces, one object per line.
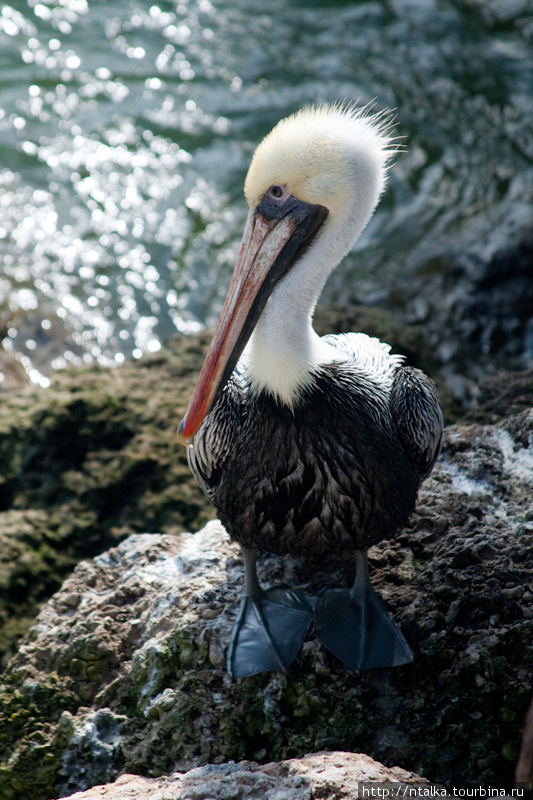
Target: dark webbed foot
{"x":268,"y":633}
{"x":270,"y":627}
{"x":355,"y":625}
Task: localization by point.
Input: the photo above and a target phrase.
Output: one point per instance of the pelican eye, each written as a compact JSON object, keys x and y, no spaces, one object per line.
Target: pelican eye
{"x":276,"y":191}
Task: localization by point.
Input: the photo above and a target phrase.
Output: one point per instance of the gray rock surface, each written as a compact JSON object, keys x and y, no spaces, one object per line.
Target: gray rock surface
{"x":329,"y":776}
{"x":123,"y":670}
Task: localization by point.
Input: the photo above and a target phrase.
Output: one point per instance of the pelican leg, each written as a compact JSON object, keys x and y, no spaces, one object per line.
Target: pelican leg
{"x":355,"y":625}
{"x":270,"y":627}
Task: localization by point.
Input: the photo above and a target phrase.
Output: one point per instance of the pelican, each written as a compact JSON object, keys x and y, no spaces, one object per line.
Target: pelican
{"x":308,"y":444}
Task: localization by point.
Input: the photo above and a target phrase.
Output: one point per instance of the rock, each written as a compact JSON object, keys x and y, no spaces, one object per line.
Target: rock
{"x":84,"y":464}
{"x":474,"y":301}
{"x":501,"y":396}
{"x":330,"y":776}
{"x":124,"y":671}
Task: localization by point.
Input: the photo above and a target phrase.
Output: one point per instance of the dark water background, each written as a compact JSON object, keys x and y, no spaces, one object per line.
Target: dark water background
{"x":126,"y":129}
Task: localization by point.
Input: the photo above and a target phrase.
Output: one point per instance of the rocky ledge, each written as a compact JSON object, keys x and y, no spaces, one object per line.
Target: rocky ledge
{"x":329,"y":776}
{"x":123,"y":670}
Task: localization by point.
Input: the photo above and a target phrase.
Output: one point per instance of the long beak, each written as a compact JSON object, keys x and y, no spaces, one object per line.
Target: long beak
{"x":269,"y":248}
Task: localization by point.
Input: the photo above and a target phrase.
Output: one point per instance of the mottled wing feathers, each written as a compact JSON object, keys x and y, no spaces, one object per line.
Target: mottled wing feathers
{"x":368,"y":355}
{"x":215,"y":439}
{"x":417,"y":414}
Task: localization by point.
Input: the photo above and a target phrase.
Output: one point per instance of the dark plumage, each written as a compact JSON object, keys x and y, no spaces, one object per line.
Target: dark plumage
{"x":340,"y":472}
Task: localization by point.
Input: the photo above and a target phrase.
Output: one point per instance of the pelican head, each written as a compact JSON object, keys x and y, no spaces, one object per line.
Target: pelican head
{"x":332,"y":155}
{"x":312,"y":186}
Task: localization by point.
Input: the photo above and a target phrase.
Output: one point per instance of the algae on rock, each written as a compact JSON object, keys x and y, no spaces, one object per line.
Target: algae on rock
{"x":84,"y":464}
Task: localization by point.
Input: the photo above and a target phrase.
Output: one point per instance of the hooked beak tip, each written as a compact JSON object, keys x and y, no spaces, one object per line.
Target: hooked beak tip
{"x":182,"y":439}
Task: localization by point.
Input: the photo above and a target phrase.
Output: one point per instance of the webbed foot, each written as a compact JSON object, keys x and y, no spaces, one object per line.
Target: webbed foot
{"x":355,"y":625}
{"x":270,"y":627}
{"x":269,"y":632}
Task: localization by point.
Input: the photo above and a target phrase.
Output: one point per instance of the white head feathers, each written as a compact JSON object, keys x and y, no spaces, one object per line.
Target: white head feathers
{"x":324,"y":154}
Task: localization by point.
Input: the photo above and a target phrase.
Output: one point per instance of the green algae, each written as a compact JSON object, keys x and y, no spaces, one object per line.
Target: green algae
{"x":84,"y":464}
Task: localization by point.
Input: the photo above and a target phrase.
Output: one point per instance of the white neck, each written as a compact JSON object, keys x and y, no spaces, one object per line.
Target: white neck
{"x":285,"y":352}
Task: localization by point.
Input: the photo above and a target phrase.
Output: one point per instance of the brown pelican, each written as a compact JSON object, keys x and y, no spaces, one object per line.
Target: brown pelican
{"x":307,"y":444}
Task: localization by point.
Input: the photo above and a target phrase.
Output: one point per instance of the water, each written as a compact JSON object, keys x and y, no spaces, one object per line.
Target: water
{"x":126,"y":129}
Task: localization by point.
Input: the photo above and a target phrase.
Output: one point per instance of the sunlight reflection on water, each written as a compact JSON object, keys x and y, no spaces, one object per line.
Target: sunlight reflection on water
{"x":126,"y":129}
